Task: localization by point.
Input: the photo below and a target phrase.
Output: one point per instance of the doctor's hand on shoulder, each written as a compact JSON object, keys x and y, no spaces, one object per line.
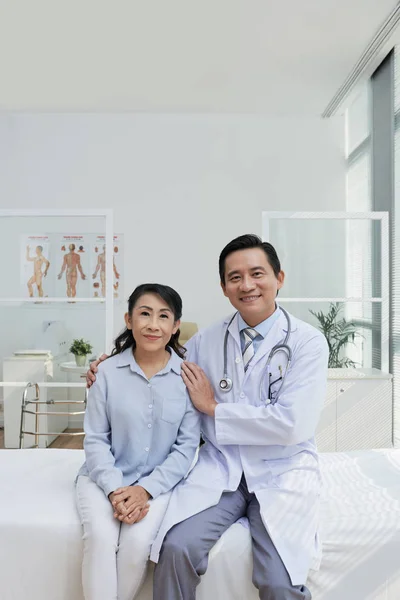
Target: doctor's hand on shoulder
{"x":199,"y":388}
{"x":91,"y":373}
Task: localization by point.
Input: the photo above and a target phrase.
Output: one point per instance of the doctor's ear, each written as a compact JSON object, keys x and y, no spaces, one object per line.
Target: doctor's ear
{"x":223,"y":287}
{"x":280,"y":279}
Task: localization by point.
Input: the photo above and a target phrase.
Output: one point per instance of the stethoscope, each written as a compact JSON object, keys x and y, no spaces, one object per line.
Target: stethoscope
{"x":226,"y":383}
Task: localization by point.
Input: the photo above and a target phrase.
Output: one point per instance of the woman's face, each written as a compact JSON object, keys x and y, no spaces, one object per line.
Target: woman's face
{"x":152,"y":322}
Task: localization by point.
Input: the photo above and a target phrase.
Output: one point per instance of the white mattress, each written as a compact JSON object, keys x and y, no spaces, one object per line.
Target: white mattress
{"x":40,"y":535}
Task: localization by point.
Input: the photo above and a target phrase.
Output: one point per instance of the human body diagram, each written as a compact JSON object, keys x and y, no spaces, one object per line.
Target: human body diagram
{"x":37,"y":278}
{"x":71,"y":264}
{"x":101,"y":266}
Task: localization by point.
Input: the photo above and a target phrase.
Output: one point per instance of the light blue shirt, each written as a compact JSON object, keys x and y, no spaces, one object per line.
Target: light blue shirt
{"x":138,"y":430}
{"x":262,"y":329}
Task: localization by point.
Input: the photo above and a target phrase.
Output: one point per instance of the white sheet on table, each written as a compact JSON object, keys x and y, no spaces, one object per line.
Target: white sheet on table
{"x":41,"y":549}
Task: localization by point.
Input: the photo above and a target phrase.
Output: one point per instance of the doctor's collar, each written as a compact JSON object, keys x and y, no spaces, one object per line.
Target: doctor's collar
{"x":236,"y":316}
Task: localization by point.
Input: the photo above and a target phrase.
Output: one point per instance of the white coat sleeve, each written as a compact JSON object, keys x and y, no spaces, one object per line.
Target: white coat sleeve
{"x":100,"y":461}
{"x":294,"y":417}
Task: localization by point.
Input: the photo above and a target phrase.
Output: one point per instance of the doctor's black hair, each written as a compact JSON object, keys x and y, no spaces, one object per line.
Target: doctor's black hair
{"x":173,"y":300}
{"x":244,"y":242}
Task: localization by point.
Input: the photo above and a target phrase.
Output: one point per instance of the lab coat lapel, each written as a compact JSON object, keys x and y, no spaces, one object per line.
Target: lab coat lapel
{"x":234,"y":332}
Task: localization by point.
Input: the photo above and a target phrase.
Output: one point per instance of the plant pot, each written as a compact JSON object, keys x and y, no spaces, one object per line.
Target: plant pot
{"x":80,"y":359}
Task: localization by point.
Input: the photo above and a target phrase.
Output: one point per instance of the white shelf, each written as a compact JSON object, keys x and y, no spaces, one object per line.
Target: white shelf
{"x":374,"y":216}
{"x":349,"y":373}
{"x":53,"y":300}
{"x":344,"y":299}
{"x":72,"y":367}
{"x":48,"y":212}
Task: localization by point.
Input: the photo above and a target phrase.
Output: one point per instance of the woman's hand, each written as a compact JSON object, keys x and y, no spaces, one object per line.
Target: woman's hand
{"x":130,"y":503}
{"x":91,"y":374}
{"x":119,"y":507}
{"x":199,"y":388}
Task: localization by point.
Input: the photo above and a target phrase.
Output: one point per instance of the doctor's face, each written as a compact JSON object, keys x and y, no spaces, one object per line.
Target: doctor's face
{"x":251,"y":284}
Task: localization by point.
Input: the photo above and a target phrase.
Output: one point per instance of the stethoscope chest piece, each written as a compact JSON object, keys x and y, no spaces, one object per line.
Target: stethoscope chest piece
{"x":226,"y":384}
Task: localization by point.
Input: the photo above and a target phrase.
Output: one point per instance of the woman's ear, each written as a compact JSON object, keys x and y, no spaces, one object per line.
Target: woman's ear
{"x":176,"y":326}
{"x":128,"y":321}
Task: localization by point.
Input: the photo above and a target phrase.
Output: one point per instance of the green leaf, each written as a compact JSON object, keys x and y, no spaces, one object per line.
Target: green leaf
{"x":338,"y":333}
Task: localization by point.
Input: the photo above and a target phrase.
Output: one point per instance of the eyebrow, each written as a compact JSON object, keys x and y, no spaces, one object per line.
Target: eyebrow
{"x":252,"y":269}
{"x":161,"y":309}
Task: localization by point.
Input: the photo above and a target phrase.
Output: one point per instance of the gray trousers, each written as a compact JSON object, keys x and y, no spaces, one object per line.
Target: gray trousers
{"x":184,"y":554}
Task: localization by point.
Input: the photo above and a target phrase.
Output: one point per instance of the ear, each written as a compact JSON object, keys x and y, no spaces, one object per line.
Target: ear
{"x":223,"y":288}
{"x":281,"y":279}
{"x":176,"y":326}
{"x":128,"y":321}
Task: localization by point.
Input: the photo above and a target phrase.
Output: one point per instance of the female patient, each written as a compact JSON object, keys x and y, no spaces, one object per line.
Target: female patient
{"x":141,"y":436}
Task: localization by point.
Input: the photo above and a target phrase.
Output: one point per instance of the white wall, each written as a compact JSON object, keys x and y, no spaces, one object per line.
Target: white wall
{"x":181,"y":186}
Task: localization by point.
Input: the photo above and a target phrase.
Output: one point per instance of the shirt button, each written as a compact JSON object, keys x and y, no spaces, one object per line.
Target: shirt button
{"x":147,"y":449}
{"x":149,"y":385}
{"x":149,"y":425}
{"x":137,"y":474}
{"x":242,"y":395}
{"x":150,"y":406}
{"x":238,"y":360}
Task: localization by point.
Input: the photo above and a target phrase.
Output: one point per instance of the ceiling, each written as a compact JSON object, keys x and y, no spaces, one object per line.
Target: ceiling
{"x":224,"y":56}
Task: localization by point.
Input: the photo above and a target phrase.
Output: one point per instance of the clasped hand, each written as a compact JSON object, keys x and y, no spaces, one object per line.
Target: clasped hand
{"x":130,"y":503}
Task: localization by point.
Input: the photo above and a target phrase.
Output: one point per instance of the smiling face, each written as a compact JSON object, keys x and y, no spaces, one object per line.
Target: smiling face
{"x":152,"y":322}
{"x":251,"y":284}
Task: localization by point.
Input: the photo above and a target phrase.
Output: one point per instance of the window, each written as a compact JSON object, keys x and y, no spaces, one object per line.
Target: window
{"x":359,"y":233}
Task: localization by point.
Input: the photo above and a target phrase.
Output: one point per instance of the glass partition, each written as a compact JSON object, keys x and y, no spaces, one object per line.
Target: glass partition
{"x":336,"y":265}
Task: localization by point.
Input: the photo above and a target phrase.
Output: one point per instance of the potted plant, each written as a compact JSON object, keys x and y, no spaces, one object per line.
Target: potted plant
{"x":80,"y":349}
{"x":338,"y":333}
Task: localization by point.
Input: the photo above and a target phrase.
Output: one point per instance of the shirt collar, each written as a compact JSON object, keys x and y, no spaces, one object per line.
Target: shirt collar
{"x":262,"y":328}
{"x":126,"y":359}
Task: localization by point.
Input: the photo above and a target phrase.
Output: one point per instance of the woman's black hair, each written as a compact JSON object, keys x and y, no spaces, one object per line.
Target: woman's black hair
{"x":126,"y":340}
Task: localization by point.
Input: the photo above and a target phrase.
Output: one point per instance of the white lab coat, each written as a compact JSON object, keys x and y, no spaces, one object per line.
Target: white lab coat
{"x":272,"y":444}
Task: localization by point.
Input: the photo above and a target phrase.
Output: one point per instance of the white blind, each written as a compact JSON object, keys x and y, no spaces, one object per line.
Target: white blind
{"x":396,"y":237}
{"x":358,"y":119}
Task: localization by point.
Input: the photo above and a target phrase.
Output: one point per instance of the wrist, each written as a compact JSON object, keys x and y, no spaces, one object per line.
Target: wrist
{"x":211,"y":408}
{"x":148,"y":495}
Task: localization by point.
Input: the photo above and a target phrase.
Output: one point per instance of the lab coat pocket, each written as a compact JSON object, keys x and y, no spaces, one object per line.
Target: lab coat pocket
{"x":173,"y":409}
{"x":272,"y":385}
{"x":299,"y":473}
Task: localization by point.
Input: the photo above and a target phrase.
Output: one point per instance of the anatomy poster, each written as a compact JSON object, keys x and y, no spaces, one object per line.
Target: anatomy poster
{"x":35,"y":264}
{"x":98,"y":267}
{"x":72,"y":266}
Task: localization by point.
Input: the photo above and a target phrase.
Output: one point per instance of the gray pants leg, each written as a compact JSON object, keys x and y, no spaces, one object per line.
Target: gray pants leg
{"x":270,"y":576}
{"x":184,"y":554}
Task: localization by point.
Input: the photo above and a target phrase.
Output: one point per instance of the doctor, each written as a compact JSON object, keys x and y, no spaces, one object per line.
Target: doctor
{"x":259,"y":417}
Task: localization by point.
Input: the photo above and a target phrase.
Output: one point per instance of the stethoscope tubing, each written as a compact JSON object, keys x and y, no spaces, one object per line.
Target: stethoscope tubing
{"x":226,"y":383}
